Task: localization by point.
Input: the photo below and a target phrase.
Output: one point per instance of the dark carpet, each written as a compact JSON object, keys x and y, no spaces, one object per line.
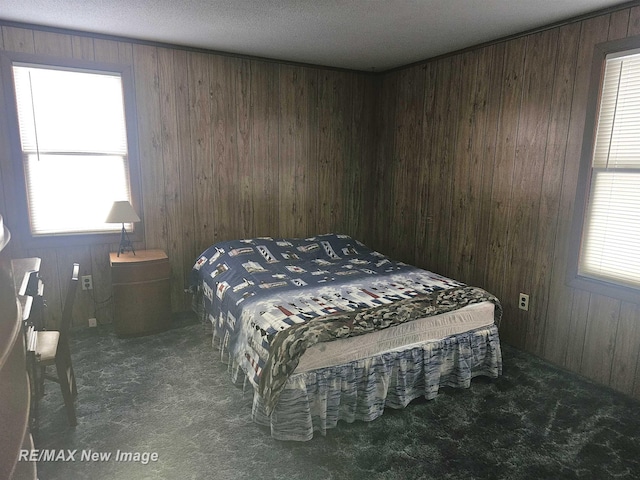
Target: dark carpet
{"x":169,"y":395}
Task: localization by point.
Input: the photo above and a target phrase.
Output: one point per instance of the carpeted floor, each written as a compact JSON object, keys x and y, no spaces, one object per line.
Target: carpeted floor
{"x":167,"y":394}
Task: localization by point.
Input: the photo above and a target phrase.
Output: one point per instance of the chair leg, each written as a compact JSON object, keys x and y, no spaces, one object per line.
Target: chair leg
{"x":33,"y":385}
{"x":66,"y":379}
{"x":43,"y":373}
{"x":74,"y":387}
{"x":71,"y":374}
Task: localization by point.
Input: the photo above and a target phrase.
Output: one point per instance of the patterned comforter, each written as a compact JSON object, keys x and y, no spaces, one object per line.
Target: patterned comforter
{"x":270,"y":299}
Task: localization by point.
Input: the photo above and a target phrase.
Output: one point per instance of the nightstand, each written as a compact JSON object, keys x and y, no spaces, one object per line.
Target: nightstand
{"x":141,"y":292}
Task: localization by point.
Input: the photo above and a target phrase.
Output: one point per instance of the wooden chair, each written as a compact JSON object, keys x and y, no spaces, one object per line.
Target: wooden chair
{"x":51,"y":347}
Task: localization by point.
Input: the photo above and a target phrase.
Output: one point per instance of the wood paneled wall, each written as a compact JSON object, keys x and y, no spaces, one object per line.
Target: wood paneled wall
{"x":477,"y":171}
{"x":229,"y":148}
{"x":465,"y":165}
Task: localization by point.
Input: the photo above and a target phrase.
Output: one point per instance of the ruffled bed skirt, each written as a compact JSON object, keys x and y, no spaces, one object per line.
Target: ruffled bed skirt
{"x":360,"y":390}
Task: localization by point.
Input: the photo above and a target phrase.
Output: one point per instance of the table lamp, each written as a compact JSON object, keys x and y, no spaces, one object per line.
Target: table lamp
{"x":123,"y":212}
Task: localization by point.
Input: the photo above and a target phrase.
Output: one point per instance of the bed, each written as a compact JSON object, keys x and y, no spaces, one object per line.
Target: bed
{"x":325,"y":329}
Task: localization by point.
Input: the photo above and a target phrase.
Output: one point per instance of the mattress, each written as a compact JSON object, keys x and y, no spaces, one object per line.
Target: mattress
{"x":399,"y":337}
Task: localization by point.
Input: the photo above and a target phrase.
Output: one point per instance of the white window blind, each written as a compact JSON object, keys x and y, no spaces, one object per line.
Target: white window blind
{"x":74,"y":147}
{"x":611,"y":235}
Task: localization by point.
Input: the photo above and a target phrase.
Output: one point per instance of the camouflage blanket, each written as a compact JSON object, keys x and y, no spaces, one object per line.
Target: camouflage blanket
{"x":287,"y":346}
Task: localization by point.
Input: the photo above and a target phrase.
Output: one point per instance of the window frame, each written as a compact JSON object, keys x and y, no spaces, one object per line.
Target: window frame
{"x":574,"y":279}
{"x":7,"y":59}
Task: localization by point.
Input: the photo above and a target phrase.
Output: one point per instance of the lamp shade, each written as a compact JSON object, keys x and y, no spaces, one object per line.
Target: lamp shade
{"x":122,"y":212}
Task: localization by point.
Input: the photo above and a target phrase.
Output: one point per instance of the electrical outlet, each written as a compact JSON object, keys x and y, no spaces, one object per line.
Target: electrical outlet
{"x":93,"y":322}
{"x":87,"y":282}
{"x":523,"y":302}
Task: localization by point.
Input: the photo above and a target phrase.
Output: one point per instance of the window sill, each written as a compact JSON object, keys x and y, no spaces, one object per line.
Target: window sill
{"x":626,"y":294}
{"x":77,"y":240}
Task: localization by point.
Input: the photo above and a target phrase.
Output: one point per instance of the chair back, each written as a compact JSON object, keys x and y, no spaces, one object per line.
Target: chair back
{"x":67,"y":310}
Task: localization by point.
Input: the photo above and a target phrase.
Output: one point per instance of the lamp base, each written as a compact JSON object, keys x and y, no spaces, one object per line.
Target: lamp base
{"x":125,"y":243}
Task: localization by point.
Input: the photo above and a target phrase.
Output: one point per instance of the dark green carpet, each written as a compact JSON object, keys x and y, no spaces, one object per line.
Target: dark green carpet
{"x":169,"y":394}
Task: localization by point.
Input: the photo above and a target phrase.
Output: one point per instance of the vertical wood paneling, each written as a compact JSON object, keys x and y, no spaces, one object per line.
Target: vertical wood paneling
{"x":48,"y":43}
{"x":499,"y":217}
{"x":498,"y":157}
{"x":82,"y":48}
{"x":407,"y":128}
{"x":478,"y":174}
{"x":170,"y":160}
{"x":333,"y":141}
{"x":460,"y":241}
{"x":18,"y":39}
{"x":125,"y":53}
{"x":264,"y":116}
{"x":490,"y":71}
{"x":200,"y":95}
{"x":424,"y":168}
{"x":438,"y":208}
{"x":297,"y":171}
{"x":381,"y":186}
{"x":577,"y":325}
{"x":600,"y":337}
{"x":309,"y":154}
{"x":291,"y":86}
{"x":184,"y":221}
{"x":634,"y":21}
{"x":447,"y":162}
{"x":531,"y":144}
{"x":243,"y":135}
{"x":547,"y":220}
{"x":627,"y":348}
{"x":618,"y":25}
{"x":361,"y":127}
{"x":145,"y":59}
{"x":428,"y":191}
{"x":226,"y":195}
{"x":105,"y":50}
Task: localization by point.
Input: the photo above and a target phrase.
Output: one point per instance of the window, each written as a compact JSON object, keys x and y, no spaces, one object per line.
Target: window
{"x":73,"y":146}
{"x":609,"y":253}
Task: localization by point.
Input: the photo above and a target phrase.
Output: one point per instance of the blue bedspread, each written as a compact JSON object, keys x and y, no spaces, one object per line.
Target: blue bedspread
{"x":255,"y":288}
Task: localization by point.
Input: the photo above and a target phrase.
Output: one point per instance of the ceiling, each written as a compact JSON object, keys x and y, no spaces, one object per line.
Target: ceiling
{"x":370,"y":35}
